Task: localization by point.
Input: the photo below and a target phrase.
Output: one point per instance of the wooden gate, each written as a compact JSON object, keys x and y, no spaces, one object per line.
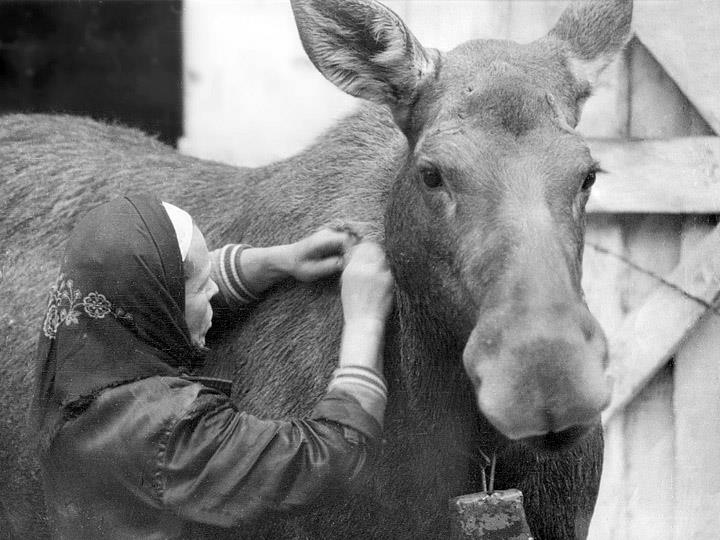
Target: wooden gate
{"x":652,"y":276}
{"x":652,"y":259}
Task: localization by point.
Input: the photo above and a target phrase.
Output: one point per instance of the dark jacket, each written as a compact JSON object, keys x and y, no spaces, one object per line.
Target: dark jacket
{"x":148,"y":458}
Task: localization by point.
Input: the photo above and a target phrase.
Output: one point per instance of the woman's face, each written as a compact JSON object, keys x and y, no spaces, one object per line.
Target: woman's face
{"x":199,"y":289}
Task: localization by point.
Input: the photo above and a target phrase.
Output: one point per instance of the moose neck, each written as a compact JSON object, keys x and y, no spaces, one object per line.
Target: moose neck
{"x":431,"y":420}
{"x":344,"y":176}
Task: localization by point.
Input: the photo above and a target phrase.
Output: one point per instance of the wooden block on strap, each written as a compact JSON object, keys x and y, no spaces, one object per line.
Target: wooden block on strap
{"x":491,"y":516}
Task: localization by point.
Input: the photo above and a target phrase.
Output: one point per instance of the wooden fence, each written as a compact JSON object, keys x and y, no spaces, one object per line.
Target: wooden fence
{"x":652,"y":259}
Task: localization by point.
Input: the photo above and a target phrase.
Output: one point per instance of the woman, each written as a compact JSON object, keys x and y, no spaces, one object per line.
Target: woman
{"x":133,"y":447}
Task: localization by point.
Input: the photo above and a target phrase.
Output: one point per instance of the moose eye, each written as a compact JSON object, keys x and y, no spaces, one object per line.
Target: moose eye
{"x":589,"y":180}
{"x":431,"y":177}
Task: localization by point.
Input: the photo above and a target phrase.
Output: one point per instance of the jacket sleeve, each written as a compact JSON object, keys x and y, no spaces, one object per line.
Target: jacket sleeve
{"x":224,"y":467}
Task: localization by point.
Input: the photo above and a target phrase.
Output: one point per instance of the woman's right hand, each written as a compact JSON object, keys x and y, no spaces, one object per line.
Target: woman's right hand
{"x":367,"y":299}
{"x":367,"y":284}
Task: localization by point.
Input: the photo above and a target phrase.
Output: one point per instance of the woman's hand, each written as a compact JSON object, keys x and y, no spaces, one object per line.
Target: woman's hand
{"x":367,"y":284}
{"x":367,"y":299}
{"x":317,"y":256}
{"x":314,"y":257}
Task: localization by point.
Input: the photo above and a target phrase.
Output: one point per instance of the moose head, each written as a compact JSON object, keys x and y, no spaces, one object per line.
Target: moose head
{"x":492,"y":193}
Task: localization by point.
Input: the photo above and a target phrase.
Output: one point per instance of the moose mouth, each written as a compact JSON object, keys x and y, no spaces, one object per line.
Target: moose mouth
{"x":558,"y":441}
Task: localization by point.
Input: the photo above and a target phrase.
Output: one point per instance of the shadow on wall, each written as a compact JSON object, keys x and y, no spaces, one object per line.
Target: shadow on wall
{"x":114,"y":61}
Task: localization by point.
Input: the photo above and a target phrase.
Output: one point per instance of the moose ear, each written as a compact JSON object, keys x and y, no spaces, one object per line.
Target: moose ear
{"x":594,"y":31}
{"x":366,"y":50}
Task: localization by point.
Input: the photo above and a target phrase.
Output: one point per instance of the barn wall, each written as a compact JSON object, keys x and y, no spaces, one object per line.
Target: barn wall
{"x":647,"y":449}
{"x":113,"y":61}
{"x":252,"y":97}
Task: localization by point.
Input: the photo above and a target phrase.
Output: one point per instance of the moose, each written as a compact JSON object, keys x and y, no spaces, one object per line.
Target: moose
{"x":466,"y":165}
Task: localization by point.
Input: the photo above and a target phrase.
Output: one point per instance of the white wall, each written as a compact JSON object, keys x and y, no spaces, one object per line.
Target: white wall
{"x":252,"y":96}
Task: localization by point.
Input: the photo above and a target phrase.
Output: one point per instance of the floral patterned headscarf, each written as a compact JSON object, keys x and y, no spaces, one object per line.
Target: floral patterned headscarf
{"x":116,"y":313}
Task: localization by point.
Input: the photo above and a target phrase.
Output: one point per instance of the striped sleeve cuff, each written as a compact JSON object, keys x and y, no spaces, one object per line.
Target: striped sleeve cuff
{"x":366,"y":385}
{"x":227,"y":273}
{"x":343,"y":408}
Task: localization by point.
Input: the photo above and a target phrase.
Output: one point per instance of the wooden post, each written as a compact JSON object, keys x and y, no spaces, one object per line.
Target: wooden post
{"x":696,"y":406}
{"x":687,"y":48}
{"x":649,"y":440}
{"x":601,"y":274}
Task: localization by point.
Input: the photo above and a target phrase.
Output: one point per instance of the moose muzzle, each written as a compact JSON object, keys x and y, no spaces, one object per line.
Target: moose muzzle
{"x":539,"y":371}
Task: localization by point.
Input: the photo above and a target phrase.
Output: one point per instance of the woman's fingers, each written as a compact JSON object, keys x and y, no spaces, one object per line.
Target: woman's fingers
{"x":327,"y":252}
{"x":324,"y":243}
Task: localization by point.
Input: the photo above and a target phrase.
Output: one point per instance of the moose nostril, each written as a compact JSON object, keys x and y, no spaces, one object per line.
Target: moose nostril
{"x":490,"y":341}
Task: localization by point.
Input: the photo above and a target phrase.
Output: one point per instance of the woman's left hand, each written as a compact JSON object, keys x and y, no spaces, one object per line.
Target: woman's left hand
{"x":314,"y":257}
{"x":319,"y":255}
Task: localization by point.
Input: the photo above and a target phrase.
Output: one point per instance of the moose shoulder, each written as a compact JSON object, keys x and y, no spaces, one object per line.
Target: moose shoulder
{"x":468,"y":166}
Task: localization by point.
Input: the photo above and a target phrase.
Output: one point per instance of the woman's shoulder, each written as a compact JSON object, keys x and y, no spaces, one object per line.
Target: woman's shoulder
{"x":121,"y":437}
{"x":135,"y":418}
{"x":161,"y":396}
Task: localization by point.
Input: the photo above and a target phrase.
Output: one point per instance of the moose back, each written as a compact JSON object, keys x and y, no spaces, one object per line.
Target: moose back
{"x":467,"y":165}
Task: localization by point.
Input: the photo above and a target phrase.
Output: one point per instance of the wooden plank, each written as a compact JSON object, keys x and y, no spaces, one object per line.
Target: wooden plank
{"x":633,"y":502}
{"x":649,"y":455}
{"x":658,"y":108}
{"x":609,"y":519}
{"x":600,"y":275}
{"x":697,"y":402}
{"x":675,"y":176}
{"x":652,"y":242}
{"x":653,"y":332}
{"x":602,"y":271}
{"x":694,"y":230}
{"x":687,"y":48}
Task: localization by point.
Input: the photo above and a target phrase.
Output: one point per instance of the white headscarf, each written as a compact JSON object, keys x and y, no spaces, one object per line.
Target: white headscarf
{"x":183,"y":225}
